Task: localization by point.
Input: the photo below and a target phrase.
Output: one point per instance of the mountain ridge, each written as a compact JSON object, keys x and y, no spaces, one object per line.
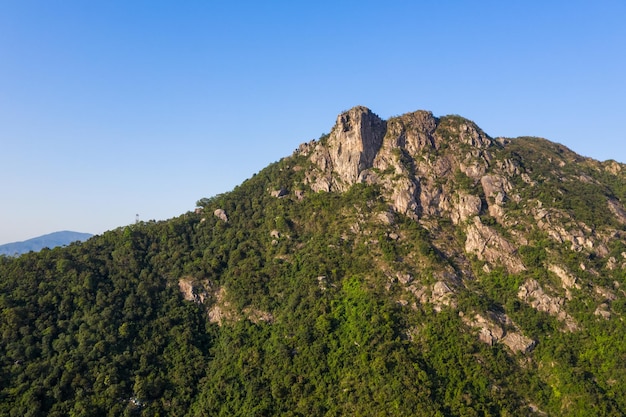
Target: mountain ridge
{"x":409,"y":266}
{"x":50,"y":240}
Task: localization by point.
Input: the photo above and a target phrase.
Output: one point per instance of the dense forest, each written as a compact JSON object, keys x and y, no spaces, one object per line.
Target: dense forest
{"x":300,"y":303}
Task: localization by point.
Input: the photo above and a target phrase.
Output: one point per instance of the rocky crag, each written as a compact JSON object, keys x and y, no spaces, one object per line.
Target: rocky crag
{"x":436,"y":170}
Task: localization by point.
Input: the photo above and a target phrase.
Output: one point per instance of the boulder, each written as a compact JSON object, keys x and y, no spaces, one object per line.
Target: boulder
{"x":518,"y":342}
{"x":221,"y":214}
{"x":281,"y":192}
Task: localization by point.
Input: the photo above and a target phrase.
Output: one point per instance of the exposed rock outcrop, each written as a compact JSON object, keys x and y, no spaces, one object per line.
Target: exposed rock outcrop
{"x":605,"y":293}
{"x":568,"y":281}
{"x":468,"y":133}
{"x":281,"y":192}
{"x":489,"y":246}
{"x":518,"y":342}
{"x":386,"y":217}
{"x":221,"y":309}
{"x":492,"y":330}
{"x":489,"y":331}
{"x":532,"y":293}
{"x":442,"y":295}
{"x":496,"y":188}
{"x":465,"y":208}
{"x":192,"y":292}
{"x":618,"y":210}
{"x":354,"y":143}
{"x":603,"y":311}
{"x":561,"y":227}
{"x":350,"y":150}
{"x":221,"y":214}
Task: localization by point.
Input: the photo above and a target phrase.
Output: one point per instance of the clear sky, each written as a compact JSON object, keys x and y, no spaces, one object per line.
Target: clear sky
{"x":110,"y":109}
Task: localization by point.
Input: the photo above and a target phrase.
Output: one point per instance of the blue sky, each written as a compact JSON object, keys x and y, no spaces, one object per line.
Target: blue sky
{"x":110,"y":109}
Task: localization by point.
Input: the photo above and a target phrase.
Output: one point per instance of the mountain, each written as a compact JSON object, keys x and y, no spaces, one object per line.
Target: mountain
{"x":409,"y":266}
{"x":46,"y":241}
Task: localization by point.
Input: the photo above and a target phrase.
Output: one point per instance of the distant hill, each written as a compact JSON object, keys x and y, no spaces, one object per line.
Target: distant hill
{"x":46,"y":241}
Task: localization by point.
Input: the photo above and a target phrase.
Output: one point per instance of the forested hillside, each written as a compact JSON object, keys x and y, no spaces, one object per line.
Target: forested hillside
{"x":414,"y":266}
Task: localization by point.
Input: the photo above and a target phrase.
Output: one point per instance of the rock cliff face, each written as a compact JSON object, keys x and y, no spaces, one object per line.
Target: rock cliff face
{"x":350,"y":149}
{"x":354,"y":143}
{"x":410,"y":156}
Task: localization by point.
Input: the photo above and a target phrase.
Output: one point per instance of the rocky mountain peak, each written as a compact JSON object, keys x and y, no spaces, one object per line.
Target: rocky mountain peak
{"x":430,"y":168}
{"x":350,"y":149}
{"x":398,"y":154}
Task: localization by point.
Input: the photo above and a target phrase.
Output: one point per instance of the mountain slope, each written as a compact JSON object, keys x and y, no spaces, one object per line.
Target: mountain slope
{"x":45,"y":241}
{"x":413,"y":266}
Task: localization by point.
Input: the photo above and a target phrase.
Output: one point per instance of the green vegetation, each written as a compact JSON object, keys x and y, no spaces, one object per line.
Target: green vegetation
{"x":565,"y":181}
{"x":315,"y":320}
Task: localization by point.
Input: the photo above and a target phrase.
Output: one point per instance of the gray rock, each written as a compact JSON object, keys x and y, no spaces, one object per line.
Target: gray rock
{"x":465,"y":208}
{"x":518,"y":342}
{"x":221,"y":214}
{"x":618,"y":210}
{"x":489,"y":246}
{"x":280,"y":192}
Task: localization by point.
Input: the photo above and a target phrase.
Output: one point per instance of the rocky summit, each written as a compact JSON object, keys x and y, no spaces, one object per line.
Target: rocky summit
{"x":431,"y":169}
{"x":409,"y":266}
